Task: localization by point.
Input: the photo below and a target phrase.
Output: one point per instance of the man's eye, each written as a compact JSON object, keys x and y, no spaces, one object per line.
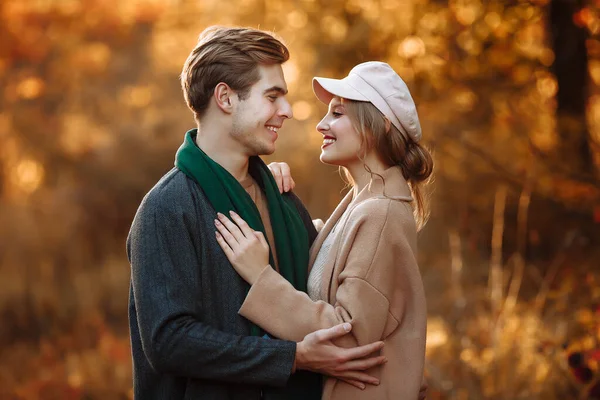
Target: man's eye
{"x":272,"y":98}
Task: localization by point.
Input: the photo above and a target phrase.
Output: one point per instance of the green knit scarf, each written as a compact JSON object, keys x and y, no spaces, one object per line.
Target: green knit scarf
{"x":225,"y":193}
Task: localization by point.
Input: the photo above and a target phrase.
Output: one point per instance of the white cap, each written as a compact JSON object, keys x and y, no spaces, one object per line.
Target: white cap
{"x":377,"y":83}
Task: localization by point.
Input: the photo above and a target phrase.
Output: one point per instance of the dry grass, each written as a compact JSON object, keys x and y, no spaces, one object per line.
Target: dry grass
{"x":494,"y":342}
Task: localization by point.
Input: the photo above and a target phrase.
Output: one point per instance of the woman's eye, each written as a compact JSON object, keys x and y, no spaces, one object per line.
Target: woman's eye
{"x":337,"y":114}
{"x":272,"y":98}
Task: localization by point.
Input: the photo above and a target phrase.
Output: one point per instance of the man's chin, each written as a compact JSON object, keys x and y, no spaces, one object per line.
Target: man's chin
{"x":268,"y":149}
{"x":264,"y":151}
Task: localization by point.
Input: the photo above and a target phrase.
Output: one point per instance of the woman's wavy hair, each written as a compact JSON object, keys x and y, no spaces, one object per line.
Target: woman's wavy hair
{"x":394,"y":148}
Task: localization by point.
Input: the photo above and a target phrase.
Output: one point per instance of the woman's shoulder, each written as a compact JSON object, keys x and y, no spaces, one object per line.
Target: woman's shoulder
{"x":379,"y":209}
{"x":379,"y":218}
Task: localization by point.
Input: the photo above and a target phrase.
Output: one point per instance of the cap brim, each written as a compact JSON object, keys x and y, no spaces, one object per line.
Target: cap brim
{"x":326,"y":89}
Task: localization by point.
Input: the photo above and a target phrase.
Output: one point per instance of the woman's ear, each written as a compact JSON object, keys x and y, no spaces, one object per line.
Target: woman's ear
{"x":388,"y":125}
{"x":222,"y":95}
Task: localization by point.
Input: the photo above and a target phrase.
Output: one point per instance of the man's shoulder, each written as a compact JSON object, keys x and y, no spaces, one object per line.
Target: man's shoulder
{"x":304,"y":215}
{"x":298,"y":204}
{"x":295,"y":200}
{"x":173,"y":192}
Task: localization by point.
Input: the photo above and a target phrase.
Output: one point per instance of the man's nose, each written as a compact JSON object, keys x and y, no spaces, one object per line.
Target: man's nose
{"x":286,"y":110}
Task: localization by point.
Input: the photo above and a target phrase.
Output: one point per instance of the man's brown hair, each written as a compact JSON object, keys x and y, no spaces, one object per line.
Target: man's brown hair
{"x":231,"y":56}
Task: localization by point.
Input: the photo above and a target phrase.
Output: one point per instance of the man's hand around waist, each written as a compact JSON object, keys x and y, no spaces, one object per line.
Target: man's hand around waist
{"x":317,"y":353}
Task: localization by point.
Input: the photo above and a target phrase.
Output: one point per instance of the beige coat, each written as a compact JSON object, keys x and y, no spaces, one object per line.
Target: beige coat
{"x":371,"y":279}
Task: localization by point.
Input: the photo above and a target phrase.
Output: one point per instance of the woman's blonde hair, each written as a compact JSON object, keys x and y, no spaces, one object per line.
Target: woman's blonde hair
{"x":394,"y":148}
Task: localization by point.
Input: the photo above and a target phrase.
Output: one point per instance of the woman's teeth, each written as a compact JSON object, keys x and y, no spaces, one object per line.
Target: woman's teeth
{"x":328,"y":141}
{"x":272,"y":128}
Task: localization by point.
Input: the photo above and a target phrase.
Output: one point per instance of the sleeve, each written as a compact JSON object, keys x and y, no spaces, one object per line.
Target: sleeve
{"x":166,"y":290}
{"x":366,"y":272}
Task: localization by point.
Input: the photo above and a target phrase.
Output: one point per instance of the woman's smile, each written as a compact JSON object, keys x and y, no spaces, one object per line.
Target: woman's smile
{"x":327,"y":141}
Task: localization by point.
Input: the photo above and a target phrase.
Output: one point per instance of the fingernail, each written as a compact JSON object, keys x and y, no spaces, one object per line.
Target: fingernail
{"x":376,"y":382}
{"x":217,"y":222}
{"x":286,"y":187}
{"x":347,"y":327}
{"x":220,"y":215}
{"x":362,"y":387}
{"x":233,"y":213}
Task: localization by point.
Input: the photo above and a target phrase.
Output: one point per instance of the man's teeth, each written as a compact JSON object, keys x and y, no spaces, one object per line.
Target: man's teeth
{"x":272,"y":128}
{"x":328,"y":141}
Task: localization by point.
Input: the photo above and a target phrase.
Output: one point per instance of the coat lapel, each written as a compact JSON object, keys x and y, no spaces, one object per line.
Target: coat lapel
{"x":395,"y":188}
{"x":333,"y":219}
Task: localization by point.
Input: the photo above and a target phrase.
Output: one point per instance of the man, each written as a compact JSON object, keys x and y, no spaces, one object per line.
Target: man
{"x":188,"y":341}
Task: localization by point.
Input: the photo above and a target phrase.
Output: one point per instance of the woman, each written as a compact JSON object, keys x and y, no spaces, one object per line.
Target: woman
{"x":363,"y":265}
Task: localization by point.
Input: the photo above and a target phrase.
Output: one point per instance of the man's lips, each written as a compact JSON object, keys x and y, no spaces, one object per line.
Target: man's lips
{"x":273,"y":131}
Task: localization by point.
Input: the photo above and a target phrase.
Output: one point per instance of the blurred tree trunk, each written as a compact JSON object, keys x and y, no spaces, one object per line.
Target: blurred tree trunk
{"x":571,"y":70}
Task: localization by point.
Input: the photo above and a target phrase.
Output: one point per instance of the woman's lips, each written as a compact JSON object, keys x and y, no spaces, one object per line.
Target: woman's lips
{"x":328,"y":141}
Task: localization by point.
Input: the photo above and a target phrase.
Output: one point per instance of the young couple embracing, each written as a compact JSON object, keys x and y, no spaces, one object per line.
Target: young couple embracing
{"x":234,"y":293}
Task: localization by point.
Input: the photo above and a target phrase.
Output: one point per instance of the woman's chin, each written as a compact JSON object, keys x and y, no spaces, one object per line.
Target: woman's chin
{"x":327,"y":159}
{"x":331,"y":159}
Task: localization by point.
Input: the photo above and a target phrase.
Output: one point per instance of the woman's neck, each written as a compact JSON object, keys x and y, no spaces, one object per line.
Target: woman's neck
{"x":361,"y":176}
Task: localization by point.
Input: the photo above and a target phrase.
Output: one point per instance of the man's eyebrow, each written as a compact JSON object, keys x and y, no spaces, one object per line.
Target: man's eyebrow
{"x":276,"y":89}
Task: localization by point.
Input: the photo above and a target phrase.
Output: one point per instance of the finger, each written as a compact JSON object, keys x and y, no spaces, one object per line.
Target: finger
{"x":261,"y":238}
{"x":358,"y":376}
{"x":228,"y":237}
{"x":362,"y":364}
{"x":318,"y":224}
{"x":226,"y":249}
{"x":286,"y":176}
{"x":242,"y":224}
{"x":354,"y":383}
{"x":276,"y":172}
{"x":362,"y":351}
{"x":293,"y":183}
{"x":231,"y":227}
{"x":286,"y":185}
{"x":275,"y":169}
{"x":279,"y":180}
{"x":334,"y":332}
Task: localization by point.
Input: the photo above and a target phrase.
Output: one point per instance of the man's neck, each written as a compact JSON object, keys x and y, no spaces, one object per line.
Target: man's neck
{"x":216,"y":146}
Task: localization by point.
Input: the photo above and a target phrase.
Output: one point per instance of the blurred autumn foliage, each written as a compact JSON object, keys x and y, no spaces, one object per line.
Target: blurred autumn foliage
{"x":509,"y":97}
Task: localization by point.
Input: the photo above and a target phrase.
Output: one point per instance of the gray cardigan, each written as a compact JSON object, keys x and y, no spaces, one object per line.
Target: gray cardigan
{"x":188,"y":340}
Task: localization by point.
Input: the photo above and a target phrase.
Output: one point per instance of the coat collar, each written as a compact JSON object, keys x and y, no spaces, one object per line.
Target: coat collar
{"x":395,"y":188}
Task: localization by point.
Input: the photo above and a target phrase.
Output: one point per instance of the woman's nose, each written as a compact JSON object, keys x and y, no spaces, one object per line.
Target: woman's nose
{"x":323,"y":126}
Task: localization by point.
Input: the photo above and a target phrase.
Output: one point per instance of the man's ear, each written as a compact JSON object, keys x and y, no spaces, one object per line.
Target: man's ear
{"x":223,"y":94}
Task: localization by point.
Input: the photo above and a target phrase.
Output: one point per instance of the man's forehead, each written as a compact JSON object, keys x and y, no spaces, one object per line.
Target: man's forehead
{"x":271,"y":76}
